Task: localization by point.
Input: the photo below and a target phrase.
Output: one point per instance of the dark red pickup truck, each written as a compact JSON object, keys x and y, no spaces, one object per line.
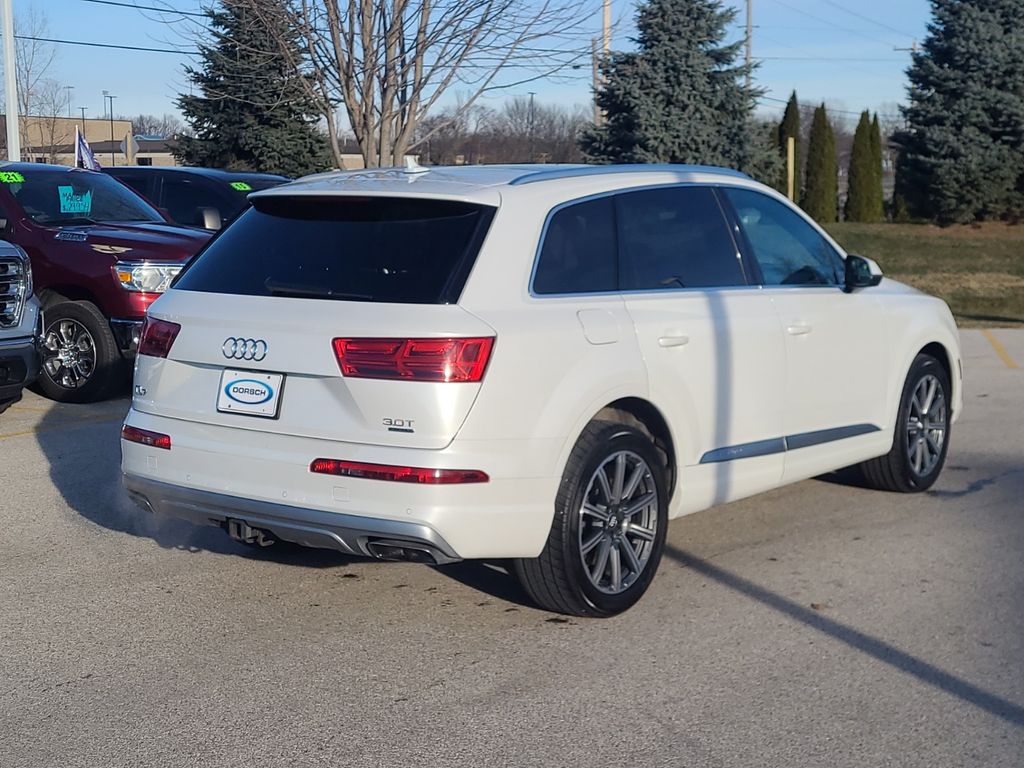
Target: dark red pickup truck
{"x":100,"y":256}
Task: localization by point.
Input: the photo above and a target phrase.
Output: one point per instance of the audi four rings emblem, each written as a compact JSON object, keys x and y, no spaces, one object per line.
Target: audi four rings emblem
{"x":244,"y":349}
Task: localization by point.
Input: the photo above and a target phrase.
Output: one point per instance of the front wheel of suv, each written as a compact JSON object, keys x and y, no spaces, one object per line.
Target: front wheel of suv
{"x":80,"y":356}
{"x":922,"y":432}
{"x":608,"y":532}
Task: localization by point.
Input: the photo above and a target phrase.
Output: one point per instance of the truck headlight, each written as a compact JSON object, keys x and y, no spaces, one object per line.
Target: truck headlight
{"x":145,"y":278}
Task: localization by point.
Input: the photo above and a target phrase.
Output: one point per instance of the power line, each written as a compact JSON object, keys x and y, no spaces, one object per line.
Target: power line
{"x":58,"y":41}
{"x":146,"y":8}
{"x":831,"y":24}
{"x":826,"y":58}
{"x":876,"y":22}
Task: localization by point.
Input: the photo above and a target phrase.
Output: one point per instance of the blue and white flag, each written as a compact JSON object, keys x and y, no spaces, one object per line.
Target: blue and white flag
{"x":84,"y":158}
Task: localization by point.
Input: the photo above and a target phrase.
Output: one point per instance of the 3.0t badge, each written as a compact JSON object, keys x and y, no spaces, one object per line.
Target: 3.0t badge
{"x":244,"y":349}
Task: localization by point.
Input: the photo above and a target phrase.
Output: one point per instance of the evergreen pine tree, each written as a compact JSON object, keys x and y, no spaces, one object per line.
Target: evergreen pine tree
{"x":878,"y":200}
{"x":962,"y":156}
{"x":251,"y":113}
{"x":680,"y":97}
{"x":862,"y":193}
{"x":791,"y":127}
{"x":821,"y":192}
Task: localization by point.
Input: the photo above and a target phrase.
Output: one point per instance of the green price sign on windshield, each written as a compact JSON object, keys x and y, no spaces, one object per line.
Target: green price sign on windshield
{"x":11,"y":177}
{"x":241,"y":186}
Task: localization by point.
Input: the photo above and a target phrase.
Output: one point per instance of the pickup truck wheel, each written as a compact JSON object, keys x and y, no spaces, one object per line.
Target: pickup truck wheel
{"x":922,"y":432}
{"x":608,"y":532}
{"x":80,"y":356}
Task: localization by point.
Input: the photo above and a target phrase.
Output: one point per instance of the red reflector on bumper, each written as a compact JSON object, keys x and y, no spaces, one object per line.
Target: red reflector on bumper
{"x":397,"y":474}
{"x":145,"y":437}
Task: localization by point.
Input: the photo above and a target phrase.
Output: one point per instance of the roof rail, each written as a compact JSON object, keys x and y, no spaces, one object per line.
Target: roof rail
{"x":599,"y":170}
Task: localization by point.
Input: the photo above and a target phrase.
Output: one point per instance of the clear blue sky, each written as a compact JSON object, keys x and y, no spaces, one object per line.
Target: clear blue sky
{"x":815,"y":46}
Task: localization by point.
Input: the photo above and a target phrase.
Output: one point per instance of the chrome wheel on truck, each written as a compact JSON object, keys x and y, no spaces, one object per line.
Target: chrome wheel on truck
{"x":80,"y":356}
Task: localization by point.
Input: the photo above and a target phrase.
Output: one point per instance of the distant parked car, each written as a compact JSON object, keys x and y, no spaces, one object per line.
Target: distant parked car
{"x":20,"y":328}
{"x":195,"y":197}
{"x":100,"y":256}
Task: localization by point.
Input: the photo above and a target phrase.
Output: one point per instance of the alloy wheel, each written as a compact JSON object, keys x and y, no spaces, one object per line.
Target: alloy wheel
{"x":926,"y":425}
{"x":618,"y":522}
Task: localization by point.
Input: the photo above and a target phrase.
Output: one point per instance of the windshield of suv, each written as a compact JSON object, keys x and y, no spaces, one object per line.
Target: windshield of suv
{"x":56,"y":198}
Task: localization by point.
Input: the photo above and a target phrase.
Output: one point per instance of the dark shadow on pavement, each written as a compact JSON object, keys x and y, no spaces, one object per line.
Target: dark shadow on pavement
{"x":849,"y":476}
{"x":494,"y":578}
{"x":872,"y":646}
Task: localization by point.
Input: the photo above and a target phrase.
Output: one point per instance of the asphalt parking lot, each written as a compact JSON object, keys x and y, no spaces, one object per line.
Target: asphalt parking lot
{"x":820,"y":624}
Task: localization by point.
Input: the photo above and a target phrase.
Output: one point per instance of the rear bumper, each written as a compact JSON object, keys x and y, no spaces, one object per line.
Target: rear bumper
{"x":351,"y":534}
{"x":249,"y":475}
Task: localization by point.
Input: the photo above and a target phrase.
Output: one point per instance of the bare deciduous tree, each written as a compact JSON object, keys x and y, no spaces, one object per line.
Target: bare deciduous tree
{"x":387,"y":63}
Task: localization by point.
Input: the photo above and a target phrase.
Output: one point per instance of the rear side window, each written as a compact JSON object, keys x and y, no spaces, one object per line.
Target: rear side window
{"x":675,"y":237}
{"x":579,"y":250}
{"x":397,"y":250}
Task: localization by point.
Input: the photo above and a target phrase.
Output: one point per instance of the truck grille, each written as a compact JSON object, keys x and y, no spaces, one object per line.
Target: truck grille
{"x":13,"y":285}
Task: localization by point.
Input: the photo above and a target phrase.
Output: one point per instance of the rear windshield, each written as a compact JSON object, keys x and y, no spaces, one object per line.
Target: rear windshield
{"x":396,"y":250}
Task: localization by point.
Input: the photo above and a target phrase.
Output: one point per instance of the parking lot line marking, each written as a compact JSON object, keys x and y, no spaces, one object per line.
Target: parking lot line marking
{"x":999,"y":348}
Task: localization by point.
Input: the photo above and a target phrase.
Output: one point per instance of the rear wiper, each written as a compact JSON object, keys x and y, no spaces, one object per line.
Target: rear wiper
{"x":278,"y":288}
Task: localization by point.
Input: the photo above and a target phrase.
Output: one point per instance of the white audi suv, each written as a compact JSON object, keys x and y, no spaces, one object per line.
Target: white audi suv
{"x":538,"y":363}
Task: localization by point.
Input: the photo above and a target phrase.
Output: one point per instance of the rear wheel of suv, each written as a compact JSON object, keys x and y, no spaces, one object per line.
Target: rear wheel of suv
{"x":922,"y":432}
{"x":80,"y":356}
{"x":608,"y":533}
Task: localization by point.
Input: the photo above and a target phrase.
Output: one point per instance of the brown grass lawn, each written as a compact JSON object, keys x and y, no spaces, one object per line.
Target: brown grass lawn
{"x":979,"y":271}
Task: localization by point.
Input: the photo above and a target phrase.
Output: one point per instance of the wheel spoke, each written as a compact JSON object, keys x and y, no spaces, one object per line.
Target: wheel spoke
{"x":640,"y":532}
{"x":602,"y":483}
{"x":620,"y":478}
{"x":631,"y":559}
{"x":600,"y":514}
{"x":933,"y":444}
{"x":616,"y":569}
{"x":634,"y":480}
{"x":918,"y":456}
{"x":639,"y":505}
{"x":932,"y":384}
{"x":597,"y":572}
{"x":596,"y":539}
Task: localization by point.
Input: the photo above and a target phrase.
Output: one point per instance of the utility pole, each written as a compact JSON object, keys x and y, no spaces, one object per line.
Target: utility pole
{"x":595,"y":74}
{"x":68,"y":89}
{"x":606,"y":28}
{"x":750,"y":41}
{"x":10,"y":84}
{"x":532,"y":94}
{"x":110,"y":97}
{"x":83,"y":120}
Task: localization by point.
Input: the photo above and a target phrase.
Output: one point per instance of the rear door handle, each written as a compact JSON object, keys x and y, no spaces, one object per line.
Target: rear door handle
{"x":798,"y":329}
{"x":673,"y":341}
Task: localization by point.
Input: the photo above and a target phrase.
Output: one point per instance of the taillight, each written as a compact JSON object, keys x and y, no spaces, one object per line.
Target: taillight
{"x":451,"y":360}
{"x":145,"y":437}
{"x":395,"y":474}
{"x":157,"y":337}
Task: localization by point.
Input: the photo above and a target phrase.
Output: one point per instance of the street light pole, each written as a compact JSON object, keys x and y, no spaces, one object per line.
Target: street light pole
{"x":110,"y":97}
{"x":10,"y":84}
{"x":68,"y":89}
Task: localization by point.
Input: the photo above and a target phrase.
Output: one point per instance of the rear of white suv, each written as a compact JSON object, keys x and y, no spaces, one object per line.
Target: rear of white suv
{"x":538,"y":364}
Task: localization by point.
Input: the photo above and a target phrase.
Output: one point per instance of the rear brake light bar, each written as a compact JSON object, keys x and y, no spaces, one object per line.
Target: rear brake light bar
{"x":419,"y":475}
{"x":439,"y":360}
{"x":145,"y":437}
{"x":157,"y":337}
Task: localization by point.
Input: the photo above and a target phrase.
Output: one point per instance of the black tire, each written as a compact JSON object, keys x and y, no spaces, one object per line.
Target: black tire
{"x":895,"y":471}
{"x":86,"y":383}
{"x":557,"y":579}
{"x":5,"y":404}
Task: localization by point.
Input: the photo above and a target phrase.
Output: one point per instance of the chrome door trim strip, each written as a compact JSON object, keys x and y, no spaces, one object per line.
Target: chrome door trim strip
{"x":807,"y":439}
{"x":788,"y":443}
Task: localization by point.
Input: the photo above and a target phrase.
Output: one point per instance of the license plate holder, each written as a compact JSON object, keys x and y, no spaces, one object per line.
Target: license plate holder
{"x":250,"y":393}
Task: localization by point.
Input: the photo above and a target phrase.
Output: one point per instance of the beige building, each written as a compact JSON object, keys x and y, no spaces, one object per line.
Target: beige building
{"x":52,"y":140}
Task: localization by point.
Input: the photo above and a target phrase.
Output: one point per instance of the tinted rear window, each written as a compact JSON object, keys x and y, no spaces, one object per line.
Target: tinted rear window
{"x":579,"y":251}
{"x":398,"y":250}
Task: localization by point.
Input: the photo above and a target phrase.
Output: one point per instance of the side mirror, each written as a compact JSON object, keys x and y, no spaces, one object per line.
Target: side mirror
{"x":861,"y":273}
{"x":209,"y":218}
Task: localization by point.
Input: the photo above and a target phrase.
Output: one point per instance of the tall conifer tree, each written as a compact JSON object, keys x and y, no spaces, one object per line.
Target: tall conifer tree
{"x":821,"y":191}
{"x":680,"y":97}
{"x":251,"y":113}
